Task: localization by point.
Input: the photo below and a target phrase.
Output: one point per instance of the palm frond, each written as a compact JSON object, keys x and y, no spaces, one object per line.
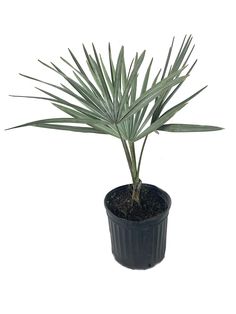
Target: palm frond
{"x":107,"y":97}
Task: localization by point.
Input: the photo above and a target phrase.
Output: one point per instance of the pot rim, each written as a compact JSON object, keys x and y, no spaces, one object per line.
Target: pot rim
{"x":153,"y":220}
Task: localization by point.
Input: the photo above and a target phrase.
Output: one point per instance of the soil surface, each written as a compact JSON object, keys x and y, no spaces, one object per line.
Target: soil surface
{"x":151,"y":203}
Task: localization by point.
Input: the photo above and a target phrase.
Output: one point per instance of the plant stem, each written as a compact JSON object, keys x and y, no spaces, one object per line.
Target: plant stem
{"x":141,"y":154}
{"x":127,"y":153}
{"x":133,"y":158}
{"x":136,"y":182}
{"x":136,"y":191}
{"x":133,"y":166}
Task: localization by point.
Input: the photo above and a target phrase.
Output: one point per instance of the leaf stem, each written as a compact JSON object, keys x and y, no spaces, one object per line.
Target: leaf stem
{"x":127,"y":153}
{"x":133,"y":160}
{"x":141,"y":154}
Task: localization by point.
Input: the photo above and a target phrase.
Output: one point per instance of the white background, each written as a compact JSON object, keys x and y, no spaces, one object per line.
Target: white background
{"x":55,"y":252}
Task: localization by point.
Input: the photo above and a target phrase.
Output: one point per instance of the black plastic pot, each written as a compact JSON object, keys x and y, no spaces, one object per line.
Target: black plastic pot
{"x":139,"y":244}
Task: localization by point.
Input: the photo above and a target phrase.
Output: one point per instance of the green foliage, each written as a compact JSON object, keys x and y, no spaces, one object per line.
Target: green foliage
{"x":106,"y":99}
{"x":111,"y":101}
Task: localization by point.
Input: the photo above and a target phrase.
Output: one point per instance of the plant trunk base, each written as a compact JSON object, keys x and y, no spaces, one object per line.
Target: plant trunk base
{"x":136,"y":191}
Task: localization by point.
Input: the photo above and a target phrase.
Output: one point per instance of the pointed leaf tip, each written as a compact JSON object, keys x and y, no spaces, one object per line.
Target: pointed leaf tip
{"x":188,"y":128}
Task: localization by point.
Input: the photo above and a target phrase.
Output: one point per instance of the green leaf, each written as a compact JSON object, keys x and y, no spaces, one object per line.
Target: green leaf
{"x":140,"y":114}
{"x":50,"y":123}
{"x":108,"y":101}
{"x":64,"y":102}
{"x":73,"y":113}
{"x":151,"y":94}
{"x":188,"y":128}
{"x":68,"y":128}
{"x":117,"y":83}
{"x":47,"y":65}
{"x":168,"y":59}
{"x":96,"y":71}
{"x":130,"y":67}
{"x":65,"y":90}
{"x":40,"y":81}
{"x":93,"y":67}
{"x":96,"y":123}
{"x":156,"y":78}
{"x":52,"y":120}
{"x":146,"y":77}
{"x":161,"y":106}
{"x":76,"y":62}
{"x":108,"y":79}
{"x":181,"y":46}
{"x":163,"y":119}
{"x":32,"y":97}
{"x":92,"y":101}
{"x":130,"y":80}
{"x":81,"y":75}
{"x":123,"y":75}
{"x":177,"y":87}
{"x":112,"y":68}
{"x":101,"y":76}
{"x":161,"y":101}
{"x":182,"y":53}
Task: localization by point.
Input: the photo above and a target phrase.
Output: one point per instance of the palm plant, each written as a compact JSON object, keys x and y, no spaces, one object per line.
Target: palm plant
{"x":107,"y":100}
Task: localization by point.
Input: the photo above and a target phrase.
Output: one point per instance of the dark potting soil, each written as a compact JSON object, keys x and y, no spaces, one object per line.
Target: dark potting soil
{"x":151,"y":203}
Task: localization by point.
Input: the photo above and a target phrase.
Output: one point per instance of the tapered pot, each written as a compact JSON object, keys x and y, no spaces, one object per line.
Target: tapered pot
{"x":139,"y":244}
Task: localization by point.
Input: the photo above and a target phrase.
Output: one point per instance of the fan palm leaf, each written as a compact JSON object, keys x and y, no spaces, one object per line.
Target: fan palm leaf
{"x":106,"y":99}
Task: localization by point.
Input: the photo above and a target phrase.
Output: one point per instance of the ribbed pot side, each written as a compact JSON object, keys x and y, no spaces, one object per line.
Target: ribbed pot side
{"x":139,"y":244}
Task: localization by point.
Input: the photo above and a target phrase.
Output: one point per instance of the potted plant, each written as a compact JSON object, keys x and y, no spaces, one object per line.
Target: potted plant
{"x":106,"y":100}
